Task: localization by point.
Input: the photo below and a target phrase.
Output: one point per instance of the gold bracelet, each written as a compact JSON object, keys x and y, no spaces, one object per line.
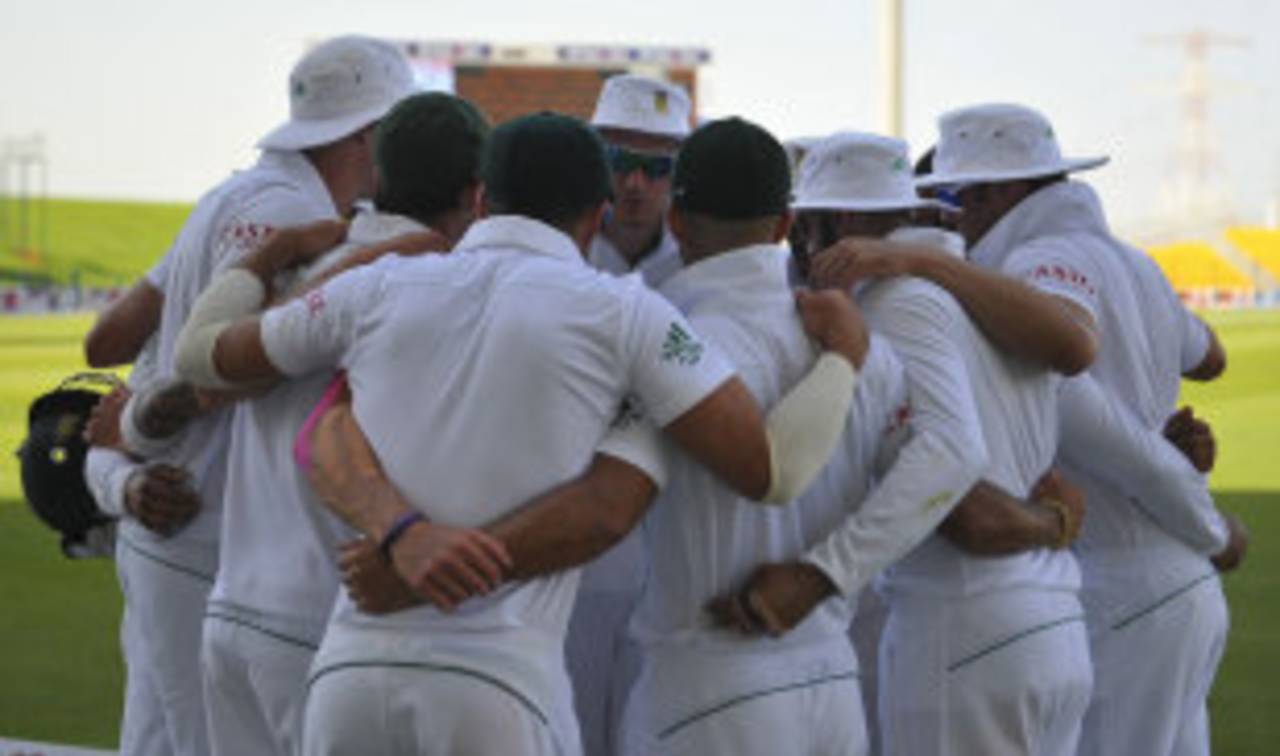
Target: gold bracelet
{"x":1064,"y":521}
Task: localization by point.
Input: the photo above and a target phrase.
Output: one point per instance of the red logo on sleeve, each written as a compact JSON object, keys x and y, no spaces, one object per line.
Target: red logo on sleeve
{"x":1065,"y":275}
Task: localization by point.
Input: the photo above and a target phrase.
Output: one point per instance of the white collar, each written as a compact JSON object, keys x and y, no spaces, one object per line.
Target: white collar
{"x":1064,"y":207}
{"x":757,"y":268}
{"x":370,"y":226}
{"x":524,"y":233}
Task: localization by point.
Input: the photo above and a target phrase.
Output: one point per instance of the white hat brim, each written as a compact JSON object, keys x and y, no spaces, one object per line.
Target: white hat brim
{"x":1067,"y":165}
{"x":865,"y":205}
{"x":610,"y":123}
{"x":303,"y":134}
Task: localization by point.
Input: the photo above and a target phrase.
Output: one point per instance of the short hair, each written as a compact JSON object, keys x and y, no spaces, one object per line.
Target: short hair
{"x":545,"y":166}
{"x":427,"y":151}
{"x":732,"y":169}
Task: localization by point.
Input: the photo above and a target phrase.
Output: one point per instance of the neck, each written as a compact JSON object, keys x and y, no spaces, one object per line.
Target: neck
{"x":634,"y":242}
{"x":344,"y":190}
{"x":452,"y":224}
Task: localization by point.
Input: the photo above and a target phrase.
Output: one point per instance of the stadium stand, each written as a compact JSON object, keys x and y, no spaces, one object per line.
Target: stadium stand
{"x":1261,"y":245}
{"x":1200,"y":275}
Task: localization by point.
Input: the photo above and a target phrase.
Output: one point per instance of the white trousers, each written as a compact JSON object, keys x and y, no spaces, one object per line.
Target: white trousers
{"x":868,"y":626}
{"x":377,"y":690}
{"x":255,"y":682}
{"x":142,"y":728}
{"x":699,"y":702}
{"x":390,"y":710}
{"x":1001,"y":673}
{"x":164,"y":611}
{"x":603,"y":664}
{"x":1153,"y":667}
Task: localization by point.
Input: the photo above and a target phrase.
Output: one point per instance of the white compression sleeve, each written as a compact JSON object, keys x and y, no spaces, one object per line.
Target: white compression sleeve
{"x":105,"y":473}
{"x":232,"y":295}
{"x":805,"y":426}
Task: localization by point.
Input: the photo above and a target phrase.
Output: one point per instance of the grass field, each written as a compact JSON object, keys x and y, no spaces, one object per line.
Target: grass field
{"x":60,"y":671}
{"x":107,"y":242}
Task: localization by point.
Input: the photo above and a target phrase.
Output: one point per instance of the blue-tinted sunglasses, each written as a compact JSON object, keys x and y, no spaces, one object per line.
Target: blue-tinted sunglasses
{"x":623,"y":161}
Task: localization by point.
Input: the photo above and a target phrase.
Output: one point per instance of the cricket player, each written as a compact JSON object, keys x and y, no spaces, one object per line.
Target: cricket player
{"x":511,"y":325}
{"x":314,"y":166}
{"x":1144,"y":557}
{"x":278,"y":578}
{"x":984,"y":649}
{"x":1157,"y":615}
{"x":158,"y":497}
{"x":643,"y":121}
{"x":705,"y":688}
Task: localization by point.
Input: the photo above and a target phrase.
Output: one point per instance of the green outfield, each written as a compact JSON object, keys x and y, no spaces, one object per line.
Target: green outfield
{"x":59,"y":660}
{"x":104,"y":243}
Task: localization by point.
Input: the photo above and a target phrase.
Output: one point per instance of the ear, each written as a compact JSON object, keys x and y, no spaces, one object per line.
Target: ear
{"x":782,"y":227}
{"x":470,"y":197}
{"x":675,"y":222}
{"x":482,"y":201}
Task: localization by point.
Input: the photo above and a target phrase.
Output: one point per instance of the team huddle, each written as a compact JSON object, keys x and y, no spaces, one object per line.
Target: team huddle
{"x":622,"y":437}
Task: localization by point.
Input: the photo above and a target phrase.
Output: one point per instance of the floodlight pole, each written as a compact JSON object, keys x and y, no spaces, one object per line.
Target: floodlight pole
{"x":891,"y":65}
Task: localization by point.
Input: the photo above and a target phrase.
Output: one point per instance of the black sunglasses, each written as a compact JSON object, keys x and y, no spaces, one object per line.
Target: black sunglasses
{"x":623,"y":161}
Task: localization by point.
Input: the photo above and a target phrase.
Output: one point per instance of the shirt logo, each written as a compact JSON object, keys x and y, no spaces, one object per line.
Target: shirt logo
{"x":681,"y":347}
{"x":937,"y":500}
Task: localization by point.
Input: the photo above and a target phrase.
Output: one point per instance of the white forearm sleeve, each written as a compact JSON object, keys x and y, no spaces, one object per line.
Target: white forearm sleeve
{"x":232,"y":295}
{"x":805,"y":426}
{"x":105,"y":473}
{"x":1104,"y":439}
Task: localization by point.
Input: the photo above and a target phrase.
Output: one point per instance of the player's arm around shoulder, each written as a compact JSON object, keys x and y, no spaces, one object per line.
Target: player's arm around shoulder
{"x":222,"y":343}
{"x":990,"y":521}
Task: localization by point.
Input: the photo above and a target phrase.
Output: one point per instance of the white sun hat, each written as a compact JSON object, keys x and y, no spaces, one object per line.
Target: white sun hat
{"x":339,"y":87}
{"x":853,"y":171}
{"x":984,"y":144}
{"x":638,"y":103}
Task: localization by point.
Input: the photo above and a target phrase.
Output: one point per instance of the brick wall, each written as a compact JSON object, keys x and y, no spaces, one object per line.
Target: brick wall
{"x":504,"y":92}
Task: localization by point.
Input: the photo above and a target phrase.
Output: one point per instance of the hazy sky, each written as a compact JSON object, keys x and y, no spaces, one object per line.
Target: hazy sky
{"x":159,"y":99}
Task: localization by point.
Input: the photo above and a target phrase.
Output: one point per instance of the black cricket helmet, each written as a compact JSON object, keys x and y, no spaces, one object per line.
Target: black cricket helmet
{"x":54,"y":452}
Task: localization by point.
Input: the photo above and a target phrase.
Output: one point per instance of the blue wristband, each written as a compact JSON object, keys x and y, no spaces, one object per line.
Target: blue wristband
{"x":397,"y":529}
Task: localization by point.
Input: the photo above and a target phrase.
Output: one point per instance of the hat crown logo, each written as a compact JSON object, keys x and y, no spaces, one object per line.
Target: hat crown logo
{"x":853,"y":171}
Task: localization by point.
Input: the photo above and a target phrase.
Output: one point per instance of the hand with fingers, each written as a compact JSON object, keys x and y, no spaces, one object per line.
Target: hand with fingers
{"x":855,"y":259}
{"x":447,"y":565}
{"x":1237,"y":544}
{"x":161,"y":497}
{"x":103,"y":428}
{"x":374,"y":585}
{"x":832,"y":320}
{"x":1067,"y":501}
{"x":1193,"y":437}
{"x":295,"y":246}
{"x":776,"y":598}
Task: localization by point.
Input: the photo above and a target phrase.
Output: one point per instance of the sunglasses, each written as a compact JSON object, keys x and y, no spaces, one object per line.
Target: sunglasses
{"x":623,"y":161}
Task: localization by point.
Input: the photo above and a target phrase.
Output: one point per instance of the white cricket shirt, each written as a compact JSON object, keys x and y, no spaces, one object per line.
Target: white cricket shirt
{"x":1058,"y":239}
{"x":482,"y":379}
{"x":966,"y":393}
{"x":279,"y":542}
{"x":702,"y":538}
{"x":281,"y":189}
